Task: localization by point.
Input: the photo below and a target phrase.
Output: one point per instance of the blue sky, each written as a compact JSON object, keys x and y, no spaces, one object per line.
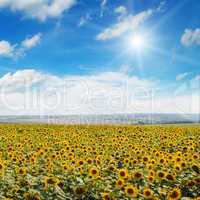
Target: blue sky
{"x":83,"y":39}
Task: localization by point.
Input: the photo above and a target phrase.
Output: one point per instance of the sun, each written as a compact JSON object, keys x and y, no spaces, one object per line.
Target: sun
{"x":137,"y":41}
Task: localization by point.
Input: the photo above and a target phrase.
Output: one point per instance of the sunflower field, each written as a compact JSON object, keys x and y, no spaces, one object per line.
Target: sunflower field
{"x":63,"y":162}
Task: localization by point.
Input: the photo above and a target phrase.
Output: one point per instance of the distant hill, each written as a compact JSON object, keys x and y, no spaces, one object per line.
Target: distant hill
{"x":105,"y":119}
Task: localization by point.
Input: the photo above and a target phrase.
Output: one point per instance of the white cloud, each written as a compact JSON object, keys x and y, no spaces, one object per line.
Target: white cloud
{"x":126,"y":69}
{"x":32,"y":42}
{"x":39,"y":9}
{"x":182,"y":104}
{"x":33,"y":92}
{"x":84,"y":20}
{"x":6,"y":49}
{"x":103,"y":3}
{"x":121,"y":10}
{"x":197,"y":77}
{"x":15,"y":51}
{"x":129,"y":23}
{"x":182,"y":76}
{"x":103,"y":6}
{"x":161,"y":6}
{"x":30,"y":77}
{"x":191,"y":37}
{"x":23,"y":78}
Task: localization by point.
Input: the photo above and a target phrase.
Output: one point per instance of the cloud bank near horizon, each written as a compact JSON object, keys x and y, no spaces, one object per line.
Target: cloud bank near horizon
{"x":32,"y":92}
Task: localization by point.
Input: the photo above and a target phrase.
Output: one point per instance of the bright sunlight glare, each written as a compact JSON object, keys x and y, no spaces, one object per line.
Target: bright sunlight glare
{"x":137,"y":42}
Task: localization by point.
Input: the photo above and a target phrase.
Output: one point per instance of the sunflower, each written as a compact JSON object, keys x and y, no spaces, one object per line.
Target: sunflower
{"x":135,"y":161}
{"x":89,"y":161}
{"x":161,"y":175}
{"x":170,"y":177}
{"x":174,"y":194}
{"x":32,"y":159}
{"x":147,"y":192}
{"x":150,"y":166}
{"x":22,"y":171}
{"x":177,"y":167}
{"x":54,"y":156}
{"x":15,"y":189}
{"x":41,"y":152}
{"x":111,"y":168}
{"x":123,"y":173}
{"x":152,"y":161}
{"x":162,"y":161}
{"x":126,"y":160}
{"x":120,"y":183}
{"x":150,"y":178}
{"x":177,"y":159}
{"x":29,"y":196}
{"x":197,"y":181}
{"x":80,"y":162}
{"x":65,"y":166}
{"x":2,"y":167}
{"x":79,"y":190}
{"x":137,"y":175}
{"x":50,"y":181}
{"x":131,"y":191}
{"x":94,"y":172}
{"x":105,"y":196}
{"x":195,"y":156}
{"x":183,"y":164}
{"x":152,"y":173}
{"x":196,"y":168}
{"x":145,"y":159}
